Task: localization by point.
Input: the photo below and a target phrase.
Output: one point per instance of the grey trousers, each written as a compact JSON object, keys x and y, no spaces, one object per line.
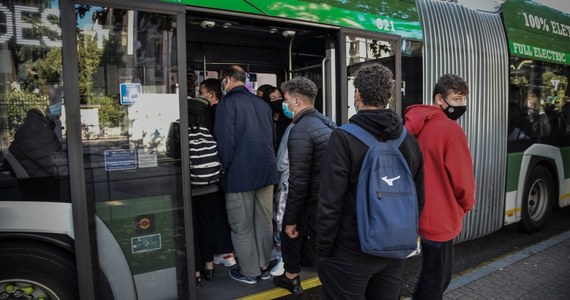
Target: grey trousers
{"x":249,"y":215}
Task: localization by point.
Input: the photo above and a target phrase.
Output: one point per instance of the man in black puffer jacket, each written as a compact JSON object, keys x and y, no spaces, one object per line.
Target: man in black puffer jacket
{"x":344,"y":270}
{"x":307,"y":142}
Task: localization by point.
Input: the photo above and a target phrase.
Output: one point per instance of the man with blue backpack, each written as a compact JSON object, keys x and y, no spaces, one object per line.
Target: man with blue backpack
{"x":368,"y":209}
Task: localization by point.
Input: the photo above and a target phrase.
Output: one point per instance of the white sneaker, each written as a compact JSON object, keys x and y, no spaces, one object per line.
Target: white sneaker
{"x":227,"y":259}
{"x":278,"y":269}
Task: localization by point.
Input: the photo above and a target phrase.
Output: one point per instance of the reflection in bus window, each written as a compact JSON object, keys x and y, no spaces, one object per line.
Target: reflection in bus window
{"x":362,"y":51}
{"x":538,"y":105}
{"x":32,"y":112}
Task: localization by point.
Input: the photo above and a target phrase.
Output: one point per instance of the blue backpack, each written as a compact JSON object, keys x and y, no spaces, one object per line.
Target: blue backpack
{"x":386,"y":200}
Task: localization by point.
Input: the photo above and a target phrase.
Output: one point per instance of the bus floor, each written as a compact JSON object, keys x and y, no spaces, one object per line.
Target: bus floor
{"x":224,"y":287}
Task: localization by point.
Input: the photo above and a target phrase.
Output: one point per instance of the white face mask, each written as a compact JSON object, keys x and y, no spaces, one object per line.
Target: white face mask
{"x":224,"y":87}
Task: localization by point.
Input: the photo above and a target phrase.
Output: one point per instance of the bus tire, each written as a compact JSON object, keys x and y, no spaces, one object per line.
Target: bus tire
{"x":538,"y":199}
{"x":49,"y":270}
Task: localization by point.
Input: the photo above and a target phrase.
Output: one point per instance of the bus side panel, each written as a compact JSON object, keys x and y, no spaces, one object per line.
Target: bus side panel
{"x":512,"y":206}
{"x":564,"y":199}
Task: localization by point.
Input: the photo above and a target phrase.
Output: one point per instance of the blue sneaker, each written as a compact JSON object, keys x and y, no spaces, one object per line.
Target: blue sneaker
{"x":236,"y":275}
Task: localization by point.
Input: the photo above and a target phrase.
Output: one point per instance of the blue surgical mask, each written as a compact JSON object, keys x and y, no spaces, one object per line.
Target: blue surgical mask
{"x":289,"y":114}
{"x":55,"y":109}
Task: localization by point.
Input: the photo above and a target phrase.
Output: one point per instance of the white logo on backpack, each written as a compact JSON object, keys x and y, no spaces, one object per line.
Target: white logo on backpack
{"x":390,"y":181}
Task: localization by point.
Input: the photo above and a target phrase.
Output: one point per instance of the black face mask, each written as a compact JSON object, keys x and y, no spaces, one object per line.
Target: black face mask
{"x":276,"y":105}
{"x":454,"y":112}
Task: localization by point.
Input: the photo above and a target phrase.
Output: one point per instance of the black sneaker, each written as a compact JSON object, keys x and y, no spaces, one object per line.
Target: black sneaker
{"x":199,"y":282}
{"x":209,"y":274}
{"x":264,"y":274}
{"x":293,"y":285}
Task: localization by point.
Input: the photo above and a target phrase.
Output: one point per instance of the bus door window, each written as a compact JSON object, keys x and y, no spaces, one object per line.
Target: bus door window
{"x":33,"y":146}
{"x":128,"y":85}
{"x":362,"y":51}
{"x":412,"y":73}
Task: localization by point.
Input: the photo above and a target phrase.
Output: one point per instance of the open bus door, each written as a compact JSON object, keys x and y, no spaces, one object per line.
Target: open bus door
{"x":271,"y":53}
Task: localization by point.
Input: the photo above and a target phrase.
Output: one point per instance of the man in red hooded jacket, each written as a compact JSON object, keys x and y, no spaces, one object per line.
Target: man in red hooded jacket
{"x":448,"y":182}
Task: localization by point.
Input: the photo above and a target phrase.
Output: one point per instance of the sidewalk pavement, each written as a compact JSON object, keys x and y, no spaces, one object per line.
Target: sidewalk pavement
{"x":541,"y":271}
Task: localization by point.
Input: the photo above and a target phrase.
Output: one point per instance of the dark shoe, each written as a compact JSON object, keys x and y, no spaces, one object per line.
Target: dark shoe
{"x":199,"y":282}
{"x":209,"y":274}
{"x":264,"y":274}
{"x":293,"y":285}
{"x":236,"y":275}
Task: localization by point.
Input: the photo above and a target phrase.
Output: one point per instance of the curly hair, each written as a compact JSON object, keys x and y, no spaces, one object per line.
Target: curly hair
{"x":301,"y":86}
{"x":450,"y":83}
{"x":374,"y":83}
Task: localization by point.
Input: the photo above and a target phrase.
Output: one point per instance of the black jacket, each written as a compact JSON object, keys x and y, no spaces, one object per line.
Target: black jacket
{"x":336,"y":210}
{"x":307,"y":142}
{"x":34,"y":145}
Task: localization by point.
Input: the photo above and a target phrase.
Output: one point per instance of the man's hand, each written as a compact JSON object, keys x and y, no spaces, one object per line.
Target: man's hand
{"x":291,"y":231}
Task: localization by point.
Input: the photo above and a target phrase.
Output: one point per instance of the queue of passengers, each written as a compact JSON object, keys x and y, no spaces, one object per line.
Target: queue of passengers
{"x":276,"y":208}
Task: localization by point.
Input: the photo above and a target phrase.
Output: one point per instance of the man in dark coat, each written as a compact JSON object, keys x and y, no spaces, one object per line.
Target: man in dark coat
{"x":243,"y":130}
{"x":344,"y":270}
{"x":34,"y":145}
{"x":306,"y":145}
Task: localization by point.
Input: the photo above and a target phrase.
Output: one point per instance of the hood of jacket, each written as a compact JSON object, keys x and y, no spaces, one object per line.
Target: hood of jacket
{"x":383,"y":123}
{"x":416,"y":116}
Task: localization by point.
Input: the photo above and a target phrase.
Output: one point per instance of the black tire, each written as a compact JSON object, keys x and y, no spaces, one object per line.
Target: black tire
{"x":538,"y":199}
{"x":46,"y":268}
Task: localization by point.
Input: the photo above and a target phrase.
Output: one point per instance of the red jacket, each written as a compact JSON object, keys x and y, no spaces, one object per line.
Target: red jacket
{"x":449,"y":184}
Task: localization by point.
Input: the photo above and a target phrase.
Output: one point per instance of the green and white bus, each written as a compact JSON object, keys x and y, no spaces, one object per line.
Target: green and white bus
{"x":112,"y":219}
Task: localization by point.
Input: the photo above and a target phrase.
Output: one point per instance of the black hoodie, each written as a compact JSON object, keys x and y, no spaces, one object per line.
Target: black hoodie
{"x":336,"y":211}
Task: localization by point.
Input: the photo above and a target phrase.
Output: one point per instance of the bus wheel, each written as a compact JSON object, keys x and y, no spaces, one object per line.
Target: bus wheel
{"x":537,"y":199}
{"x":36,"y":270}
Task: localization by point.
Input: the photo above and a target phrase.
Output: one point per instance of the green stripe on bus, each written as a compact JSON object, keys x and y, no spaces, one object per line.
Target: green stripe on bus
{"x":514,"y":161}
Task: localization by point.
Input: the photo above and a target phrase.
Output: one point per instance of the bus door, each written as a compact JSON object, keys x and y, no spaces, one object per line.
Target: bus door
{"x":363,"y":49}
{"x":129,"y":83}
{"x":271,"y":52}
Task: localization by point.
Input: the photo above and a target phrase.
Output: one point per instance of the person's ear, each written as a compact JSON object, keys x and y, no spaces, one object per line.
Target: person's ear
{"x":438,"y":99}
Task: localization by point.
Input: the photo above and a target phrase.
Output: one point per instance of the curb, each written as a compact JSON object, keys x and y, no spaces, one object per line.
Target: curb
{"x":497,"y":265}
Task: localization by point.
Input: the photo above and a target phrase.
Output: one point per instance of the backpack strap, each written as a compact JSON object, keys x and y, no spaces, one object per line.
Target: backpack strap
{"x":367,"y":138}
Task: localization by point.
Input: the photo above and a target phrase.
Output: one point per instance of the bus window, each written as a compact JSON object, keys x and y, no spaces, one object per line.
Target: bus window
{"x":539,"y":106}
{"x":32,"y":112}
{"x":412,"y":74}
{"x":361,"y":51}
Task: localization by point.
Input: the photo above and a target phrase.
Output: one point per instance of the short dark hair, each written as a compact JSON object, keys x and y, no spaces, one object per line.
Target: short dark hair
{"x":374,"y":83}
{"x":213,"y":85}
{"x":236,"y":72}
{"x":268,"y":91}
{"x":302,"y":86}
{"x":264,"y":87}
{"x":450,"y":83}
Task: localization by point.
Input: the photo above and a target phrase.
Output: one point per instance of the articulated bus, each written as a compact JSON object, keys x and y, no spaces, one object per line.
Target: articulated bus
{"x":96,"y":209}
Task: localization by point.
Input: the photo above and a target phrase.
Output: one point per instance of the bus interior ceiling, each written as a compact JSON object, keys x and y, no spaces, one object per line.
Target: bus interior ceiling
{"x":259,"y":46}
